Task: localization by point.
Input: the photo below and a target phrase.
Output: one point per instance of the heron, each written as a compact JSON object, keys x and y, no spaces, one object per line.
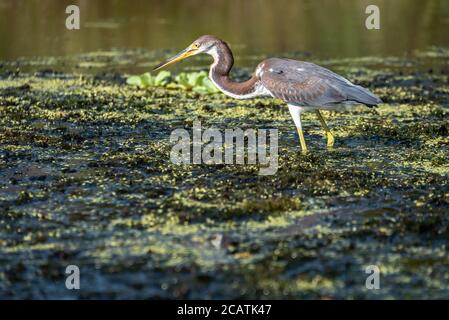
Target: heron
{"x":303,"y":86}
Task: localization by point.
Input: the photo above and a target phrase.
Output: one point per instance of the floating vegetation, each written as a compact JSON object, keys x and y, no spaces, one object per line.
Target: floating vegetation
{"x":86,"y":179}
{"x":191,"y":81}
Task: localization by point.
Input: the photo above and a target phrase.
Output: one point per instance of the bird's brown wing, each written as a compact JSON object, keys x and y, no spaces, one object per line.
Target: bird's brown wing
{"x":301,"y":83}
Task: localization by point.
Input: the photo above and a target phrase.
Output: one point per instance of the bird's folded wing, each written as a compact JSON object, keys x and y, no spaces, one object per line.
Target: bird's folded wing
{"x":298,"y":88}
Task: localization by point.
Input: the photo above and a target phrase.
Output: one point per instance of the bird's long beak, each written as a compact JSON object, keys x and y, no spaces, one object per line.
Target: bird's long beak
{"x":178,"y":57}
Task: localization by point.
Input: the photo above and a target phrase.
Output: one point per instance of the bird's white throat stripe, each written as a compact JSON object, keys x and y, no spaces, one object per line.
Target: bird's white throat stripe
{"x":213,"y":52}
{"x":259,"y":89}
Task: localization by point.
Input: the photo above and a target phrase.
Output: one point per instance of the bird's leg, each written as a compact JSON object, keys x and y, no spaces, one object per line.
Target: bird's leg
{"x":295,"y":112}
{"x":329,"y":135}
{"x":302,"y":140}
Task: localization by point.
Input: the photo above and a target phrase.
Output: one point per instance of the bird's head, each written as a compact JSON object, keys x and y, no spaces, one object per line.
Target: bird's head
{"x":204,"y":44}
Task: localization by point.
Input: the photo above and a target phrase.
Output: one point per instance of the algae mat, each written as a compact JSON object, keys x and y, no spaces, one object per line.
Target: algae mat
{"x":86,"y":180}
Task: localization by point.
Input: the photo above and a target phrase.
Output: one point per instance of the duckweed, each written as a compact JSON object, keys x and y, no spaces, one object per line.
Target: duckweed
{"x":86,"y":179}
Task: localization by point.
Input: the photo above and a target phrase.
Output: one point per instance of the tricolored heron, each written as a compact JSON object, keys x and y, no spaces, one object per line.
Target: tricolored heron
{"x":303,"y":86}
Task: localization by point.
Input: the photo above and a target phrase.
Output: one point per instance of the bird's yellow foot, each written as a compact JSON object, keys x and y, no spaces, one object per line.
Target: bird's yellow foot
{"x":327,"y":131}
{"x":330,"y":139}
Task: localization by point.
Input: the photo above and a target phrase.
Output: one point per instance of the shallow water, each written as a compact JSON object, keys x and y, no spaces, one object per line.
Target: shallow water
{"x":85,"y":179}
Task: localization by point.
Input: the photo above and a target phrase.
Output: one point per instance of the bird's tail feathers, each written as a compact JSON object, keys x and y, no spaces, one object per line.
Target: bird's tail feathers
{"x":362,"y":95}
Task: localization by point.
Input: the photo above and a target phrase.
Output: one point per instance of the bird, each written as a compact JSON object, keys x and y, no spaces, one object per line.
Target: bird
{"x":303,"y":86}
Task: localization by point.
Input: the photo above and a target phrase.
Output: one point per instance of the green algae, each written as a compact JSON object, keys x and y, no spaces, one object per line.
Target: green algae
{"x":87,"y":180}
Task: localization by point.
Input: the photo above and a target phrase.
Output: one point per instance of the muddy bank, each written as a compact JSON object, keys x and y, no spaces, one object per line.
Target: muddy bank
{"x":86,"y":179}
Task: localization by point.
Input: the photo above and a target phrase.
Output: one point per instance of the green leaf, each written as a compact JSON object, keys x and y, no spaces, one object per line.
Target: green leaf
{"x":134,"y":81}
{"x":174,"y":85}
{"x":163,"y":78}
{"x":183,"y":81}
{"x":196,"y":78}
{"x":201,"y":90}
{"x":147,"y":80}
{"x":191,"y":79}
{"x":210,"y":86}
{"x":195,"y":81}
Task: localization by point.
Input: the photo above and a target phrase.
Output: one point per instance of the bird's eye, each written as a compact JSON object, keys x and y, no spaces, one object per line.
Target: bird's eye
{"x":196,"y":46}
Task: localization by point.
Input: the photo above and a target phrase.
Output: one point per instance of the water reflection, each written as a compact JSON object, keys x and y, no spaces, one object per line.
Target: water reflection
{"x":324,"y":28}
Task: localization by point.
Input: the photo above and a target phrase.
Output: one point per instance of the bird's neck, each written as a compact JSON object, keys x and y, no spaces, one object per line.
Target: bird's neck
{"x":219,"y":74}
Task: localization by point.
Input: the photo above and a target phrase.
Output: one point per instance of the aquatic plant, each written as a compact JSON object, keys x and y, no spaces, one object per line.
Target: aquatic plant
{"x":148,"y":80}
{"x":87,"y":180}
{"x":189,"y":81}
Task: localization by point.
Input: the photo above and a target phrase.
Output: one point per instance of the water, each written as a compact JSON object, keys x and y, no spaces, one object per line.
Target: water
{"x":85,"y":179}
{"x":323,"y":28}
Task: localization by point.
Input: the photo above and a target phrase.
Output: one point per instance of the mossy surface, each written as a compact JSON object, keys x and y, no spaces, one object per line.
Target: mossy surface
{"x":86,"y":179}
